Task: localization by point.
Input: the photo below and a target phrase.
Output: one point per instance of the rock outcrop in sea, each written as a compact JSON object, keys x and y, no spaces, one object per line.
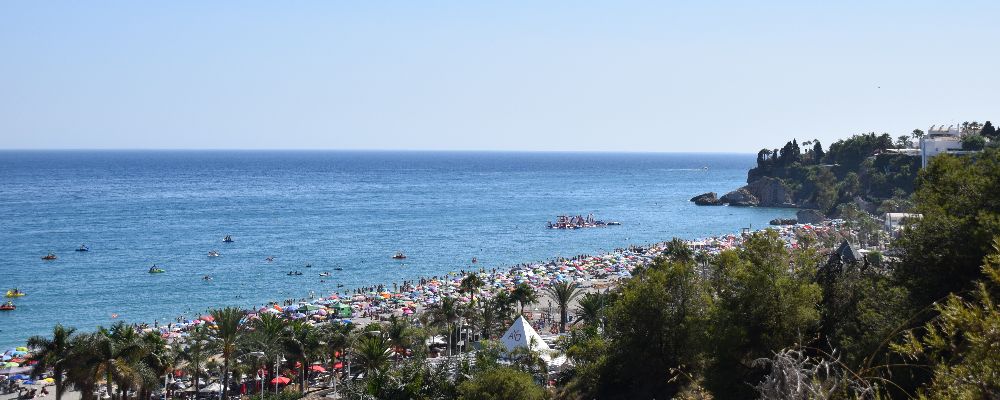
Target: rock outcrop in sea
{"x":810,"y":216}
{"x":764,"y":192}
{"x":740,"y":198}
{"x":706,"y":199}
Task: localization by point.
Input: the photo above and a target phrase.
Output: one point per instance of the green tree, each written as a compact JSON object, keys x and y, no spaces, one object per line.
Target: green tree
{"x":372,"y":352}
{"x":659,"y":322}
{"x":501,"y":384}
{"x":591,"y":308}
{"x":960,"y":345}
{"x":960,"y":203}
{"x":973,"y":141}
{"x":563,"y":293}
{"x":229,"y":328}
{"x":54,"y":353}
{"x":825,"y":184}
{"x":525,"y":295}
{"x":445,"y":314}
{"x":113,"y":355}
{"x":301,"y":343}
{"x":989,"y":131}
{"x":761,"y":306}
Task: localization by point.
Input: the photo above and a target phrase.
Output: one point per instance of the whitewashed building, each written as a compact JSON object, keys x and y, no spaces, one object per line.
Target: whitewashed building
{"x":939,"y":139}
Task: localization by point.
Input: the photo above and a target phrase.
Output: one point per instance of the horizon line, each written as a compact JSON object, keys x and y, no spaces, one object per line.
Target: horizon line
{"x":123,"y":149}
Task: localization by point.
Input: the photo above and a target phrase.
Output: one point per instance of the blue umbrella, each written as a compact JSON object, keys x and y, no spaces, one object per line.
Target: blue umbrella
{"x":19,"y":377}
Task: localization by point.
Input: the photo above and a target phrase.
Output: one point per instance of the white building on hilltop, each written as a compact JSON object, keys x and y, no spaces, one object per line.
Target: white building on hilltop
{"x":939,"y":140}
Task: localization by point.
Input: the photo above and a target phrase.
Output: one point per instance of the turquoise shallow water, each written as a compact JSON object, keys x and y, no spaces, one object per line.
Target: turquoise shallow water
{"x":328,"y":209}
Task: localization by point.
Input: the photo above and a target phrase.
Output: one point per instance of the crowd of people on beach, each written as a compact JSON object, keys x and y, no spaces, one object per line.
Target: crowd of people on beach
{"x":364,"y":304}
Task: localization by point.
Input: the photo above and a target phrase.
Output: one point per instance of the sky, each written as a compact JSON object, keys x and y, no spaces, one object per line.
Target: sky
{"x":644,"y":76}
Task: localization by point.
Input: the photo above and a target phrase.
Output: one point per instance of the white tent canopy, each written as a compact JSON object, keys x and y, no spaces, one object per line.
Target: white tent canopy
{"x":214,"y":387}
{"x":521,"y":334}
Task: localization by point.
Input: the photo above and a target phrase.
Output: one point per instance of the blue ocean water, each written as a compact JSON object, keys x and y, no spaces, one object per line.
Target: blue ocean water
{"x":348,"y":209}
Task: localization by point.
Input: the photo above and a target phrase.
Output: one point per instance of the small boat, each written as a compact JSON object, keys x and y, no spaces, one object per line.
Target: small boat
{"x":309,"y":265}
{"x":206,"y":278}
{"x":338,"y":269}
{"x":227,"y":239}
{"x":614,"y":223}
{"x":156,"y":270}
{"x":399,"y":256}
{"x":294,"y":273}
{"x":8,"y":306}
{"x":49,"y":257}
{"x":213,"y":253}
{"x":269,"y":259}
{"x":15,"y":292}
{"x":474,"y":260}
{"x":324,"y":274}
{"x":83,"y":247}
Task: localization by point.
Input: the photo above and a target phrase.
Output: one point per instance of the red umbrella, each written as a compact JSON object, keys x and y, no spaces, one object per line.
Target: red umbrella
{"x":338,"y":365}
{"x":317,"y":368}
{"x":281,"y":380}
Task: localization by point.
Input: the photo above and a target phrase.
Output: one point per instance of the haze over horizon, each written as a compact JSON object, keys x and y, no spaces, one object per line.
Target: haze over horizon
{"x":580,"y":76}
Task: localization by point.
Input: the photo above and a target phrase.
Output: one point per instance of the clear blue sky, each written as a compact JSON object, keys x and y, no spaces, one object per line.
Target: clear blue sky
{"x":574,"y":75}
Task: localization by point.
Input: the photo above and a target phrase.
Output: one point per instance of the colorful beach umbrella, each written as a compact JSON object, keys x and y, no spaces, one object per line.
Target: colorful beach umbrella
{"x":280,"y":380}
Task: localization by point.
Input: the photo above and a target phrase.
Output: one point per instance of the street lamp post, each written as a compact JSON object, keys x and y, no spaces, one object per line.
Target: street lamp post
{"x":276,"y":372}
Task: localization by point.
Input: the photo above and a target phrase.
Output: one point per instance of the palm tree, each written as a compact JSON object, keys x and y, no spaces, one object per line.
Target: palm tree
{"x":337,"y":339}
{"x":196,"y":351}
{"x":267,"y":336}
{"x":524,"y":294}
{"x":156,"y":361}
{"x":372,"y":352}
{"x":471,"y":284}
{"x":590,"y":308}
{"x":81,"y":364}
{"x":301,"y":343}
{"x":400,"y":334}
{"x":115,"y":357}
{"x":563,"y":293}
{"x":444,"y":314}
{"x":53,"y":353}
{"x":229,"y":328}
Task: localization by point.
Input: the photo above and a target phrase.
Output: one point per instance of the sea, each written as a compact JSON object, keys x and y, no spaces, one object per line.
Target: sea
{"x":314,"y":211}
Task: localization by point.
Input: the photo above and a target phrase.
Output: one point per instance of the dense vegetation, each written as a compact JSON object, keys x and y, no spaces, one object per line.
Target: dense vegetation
{"x":761,"y":321}
{"x":856,"y":167}
{"x":857,"y":170}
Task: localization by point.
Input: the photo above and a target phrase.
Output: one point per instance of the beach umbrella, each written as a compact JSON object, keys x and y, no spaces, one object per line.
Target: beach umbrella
{"x":21,"y":348}
{"x":317,"y":368}
{"x":280,"y":380}
{"x":10,"y":365}
{"x":207,"y":318}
